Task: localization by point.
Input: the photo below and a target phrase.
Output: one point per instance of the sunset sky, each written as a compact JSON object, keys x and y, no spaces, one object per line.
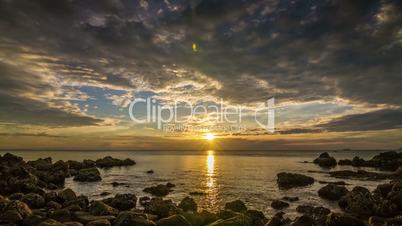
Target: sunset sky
{"x":69,"y":69}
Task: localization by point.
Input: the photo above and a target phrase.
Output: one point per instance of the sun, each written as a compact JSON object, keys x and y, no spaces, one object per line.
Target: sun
{"x":209,"y":136}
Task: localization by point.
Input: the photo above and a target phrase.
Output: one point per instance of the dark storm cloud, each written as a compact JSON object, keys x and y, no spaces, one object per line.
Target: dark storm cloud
{"x":19,"y":103}
{"x":376,"y":120}
{"x":294,"y":50}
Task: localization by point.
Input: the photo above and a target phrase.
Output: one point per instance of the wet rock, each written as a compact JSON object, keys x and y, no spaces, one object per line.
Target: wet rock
{"x":173,"y":221}
{"x":150,"y":172}
{"x":358,"y":201}
{"x":20,"y":207}
{"x":61,"y":215}
{"x":41,"y":164}
{"x":160,"y":207}
{"x":116,"y":184}
{"x":53,"y":205}
{"x":51,"y":222}
{"x":33,"y":219}
{"x":85,"y":217}
{"x":10,"y":216}
{"x":237,"y":206}
{"x":303,"y":221}
{"x":188,"y":204}
{"x":88,"y":175}
{"x":340,"y":219}
{"x":239,"y":220}
{"x":278,"y":204}
{"x":105,"y":193}
{"x":16,"y":196}
{"x":332,"y":192}
{"x":122,"y":201}
{"x":325,"y":160}
{"x":257,"y":217}
{"x":98,"y":208}
{"x":34,"y":201}
{"x":276,"y":220}
{"x":144,"y":200}
{"x":108,"y":161}
{"x":127,"y":218}
{"x":72,"y":223}
{"x":290,"y":180}
{"x":345,"y":162}
{"x":159,"y":190}
{"x":67,"y":195}
{"x":10,"y":159}
{"x":101,"y":222}
{"x":198,"y":193}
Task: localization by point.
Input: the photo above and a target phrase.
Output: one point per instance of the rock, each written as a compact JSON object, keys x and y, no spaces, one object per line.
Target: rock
{"x":80,"y":203}
{"x":101,"y":222}
{"x":173,"y":221}
{"x":237,"y":206}
{"x":278,"y":204}
{"x":10,"y":159}
{"x":188,"y":204}
{"x":290,"y":180}
{"x":33,"y":219}
{"x":105,"y":193}
{"x":150,"y":171}
{"x":144,"y":200}
{"x":239,"y":220}
{"x":340,"y":219}
{"x":305,"y":209}
{"x":61,"y":215}
{"x":50,"y":222}
{"x":18,"y":206}
{"x":67,"y":195}
{"x":332,"y":192}
{"x":345,"y":162}
{"x":10,"y":216}
{"x":108,"y":161}
{"x":116,"y":184}
{"x":358,"y":201}
{"x":303,"y":221}
{"x":290,"y":199}
{"x":160,"y":207}
{"x":325,"y":160}
{"x":276,"y":220}
{"x":72,"y":223}
{"x":88,"y":175}
{"x":257,"y":217}
{"x":41,"y":164}
{"x":127,"y":218}
{"x":159,"y":190}
{"x":122,"y":201}
{"x":16,"y":196}
{"x":34,"y":201}
{"x":98,"y":208}
{"x":53,"y":205}
{"x":197,"y":193}
{"x":85,"y":217}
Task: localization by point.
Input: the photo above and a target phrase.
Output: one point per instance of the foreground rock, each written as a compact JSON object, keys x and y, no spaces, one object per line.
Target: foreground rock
{"x":160,"y":189}
{"x":290,"y":180}
{"x":325,"y":160}
{"x":332,"y":192}
{"x":88,"y":175}
{"x":279,"y":205}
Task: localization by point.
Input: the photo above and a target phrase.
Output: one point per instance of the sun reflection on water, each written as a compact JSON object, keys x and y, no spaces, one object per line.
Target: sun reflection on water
{"x":211,"y":183}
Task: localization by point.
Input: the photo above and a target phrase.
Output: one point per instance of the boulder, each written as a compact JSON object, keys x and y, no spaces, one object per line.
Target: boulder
{"x":290,"y":180}
{"x":159,"y":190}
{"x":33,"y":200}
{"x":161,"y":208}
{"x":18,"y":206}
{"x":303,"y":221}
{"x":88,"y":175}
{"x":72,"y":223}
{"x":188,"y":204}
{"x":41,"y":164}
{"x":358,"y":201}
{"x":236,"y":206}
{"x":332,"y":192}
{"x":335,"y":219}
{"x":325,"y":160}
{"x":108,"y":161}
{"x":173,"y":221}
{"x":238,"y":220}
{"x":291,"y":199}
{"x":98,"y":208}
{"x":67,"y":195}
{"x":61,"y":215}
{"x":85,"y":217}
{"x":101,"y":222}
{"x":279,"y":205}
{"x":51,"y":222}
{"x":122,"y":201}
{"x":128,"y":218}
{"x":10,"y":216}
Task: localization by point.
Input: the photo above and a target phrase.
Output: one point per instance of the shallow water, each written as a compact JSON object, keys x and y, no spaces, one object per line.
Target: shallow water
{"x":222,"y":175}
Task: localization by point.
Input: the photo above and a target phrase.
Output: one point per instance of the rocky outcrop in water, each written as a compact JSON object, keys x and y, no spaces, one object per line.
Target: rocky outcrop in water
{"x":109,"y":161}
{"x":390,"y":160}
{"x":325,"y":160}
{"x":290,"y":180}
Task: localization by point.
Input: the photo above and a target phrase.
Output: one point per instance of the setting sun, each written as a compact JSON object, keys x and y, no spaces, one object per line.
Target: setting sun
{"x":209,"y":136}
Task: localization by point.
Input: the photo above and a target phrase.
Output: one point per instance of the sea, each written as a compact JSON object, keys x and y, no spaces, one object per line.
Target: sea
{"x":216,"y":176}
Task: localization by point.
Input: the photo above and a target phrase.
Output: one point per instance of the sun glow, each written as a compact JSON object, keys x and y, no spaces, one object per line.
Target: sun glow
{"x":209,"y":136}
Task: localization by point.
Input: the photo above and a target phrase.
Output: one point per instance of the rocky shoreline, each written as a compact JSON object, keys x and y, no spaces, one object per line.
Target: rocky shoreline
{"x":33,"y":193}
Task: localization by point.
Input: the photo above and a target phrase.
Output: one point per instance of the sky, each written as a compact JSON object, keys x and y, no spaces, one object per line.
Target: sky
{"x":69,"y":70}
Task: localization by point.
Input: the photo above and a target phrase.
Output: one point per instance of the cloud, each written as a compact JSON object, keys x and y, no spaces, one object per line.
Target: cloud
{"x":376,"y":120}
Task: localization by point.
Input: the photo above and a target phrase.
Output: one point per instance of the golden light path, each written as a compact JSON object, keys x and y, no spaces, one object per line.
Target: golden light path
{"x":211,"y":183}
{"x":209,"y":136}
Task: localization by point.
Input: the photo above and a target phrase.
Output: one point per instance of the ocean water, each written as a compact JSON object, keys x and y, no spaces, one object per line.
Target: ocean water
{"x":221,"y":175}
